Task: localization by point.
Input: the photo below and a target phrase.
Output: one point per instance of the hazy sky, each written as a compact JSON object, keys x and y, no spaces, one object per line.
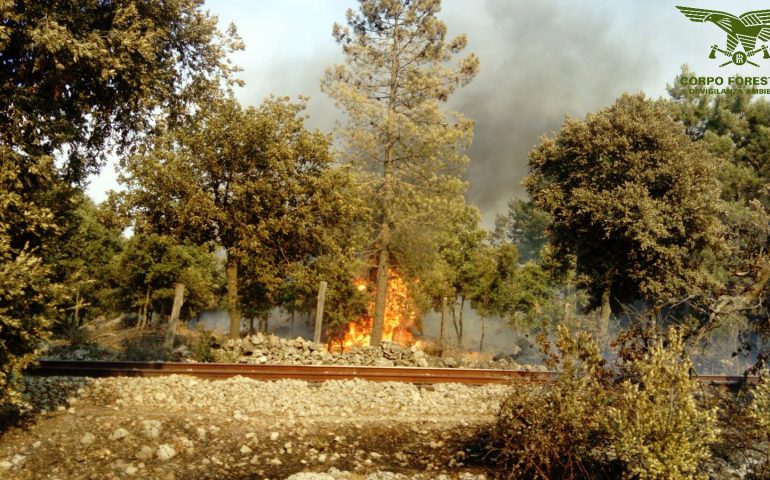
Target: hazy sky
{"x":540,"y":60}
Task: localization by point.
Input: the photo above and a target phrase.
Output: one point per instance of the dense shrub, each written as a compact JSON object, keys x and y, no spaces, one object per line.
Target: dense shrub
{"x":656,"y":426}
{"x":25,"y":294}
{"x":553,"y":432}
{"x":759,"y":410}
{"x":639,"y":421}
{"x":202,"y":348}
{"x":758,"y":425}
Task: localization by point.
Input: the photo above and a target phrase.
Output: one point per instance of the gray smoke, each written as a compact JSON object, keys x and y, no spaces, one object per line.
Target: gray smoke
{"x":297,"y":77}
{"x":279,"y":323}
{"x":499,"y":337}
{"x":540,"y":61}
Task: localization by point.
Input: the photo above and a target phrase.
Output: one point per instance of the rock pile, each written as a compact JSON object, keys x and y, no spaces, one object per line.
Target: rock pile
{"x":272,"y":350}
{"x":53,"y":393}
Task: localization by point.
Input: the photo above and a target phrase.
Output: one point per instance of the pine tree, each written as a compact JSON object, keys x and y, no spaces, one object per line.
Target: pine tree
{"x":395,"y":76}
{"x":734,"y":127}
{"x":525,"y":226}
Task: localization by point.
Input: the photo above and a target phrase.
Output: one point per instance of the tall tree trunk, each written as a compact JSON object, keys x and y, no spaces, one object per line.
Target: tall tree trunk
{"x":568,"y":307}
{"x":383,"y":262}
{"x":444,"y":308}
{"x":462,"y":307}
{"x":604,"y":317}
{"x":481,"y":342}
{"x":233,"y":307}
{"x":319,"y":312}
{"x":173,"y":320}
{"x":381,"y":296}
{"x":454,"y":321}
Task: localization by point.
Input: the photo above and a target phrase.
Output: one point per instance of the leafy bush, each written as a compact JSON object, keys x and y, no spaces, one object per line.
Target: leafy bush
{"x":554,"y":431}
{"x":24,"y":303}
{"x":759,"y":409}
{"x":641,"y":420}
{"x":202,"y":348}
{"x":656,"y":426}
{"x":758,"y":425}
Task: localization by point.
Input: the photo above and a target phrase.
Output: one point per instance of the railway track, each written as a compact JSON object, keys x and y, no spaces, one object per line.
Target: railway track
{"x":313,"y":373}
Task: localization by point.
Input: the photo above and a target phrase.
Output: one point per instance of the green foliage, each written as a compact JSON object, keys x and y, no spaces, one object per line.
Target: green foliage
{"x":81,"y":263}
{"x":460,"y":272}
{"x":334,"y":256}
{"x":253,"y":181}
{"x":519,"y":293}
{"x":755,"y":424}
{"x":81,"y":73}
{"x":736,"y":128}
{"x":79,"y":77}
{"x":344,"y":301}
{"x":645,"y":423}
{"x":657,"y":428}
{"x":633,"y":199}
{"x":30,"y":203}
{"x":759,"y":409}
{"x":525,"y":226}
{"x":488,"y":277}
{"x":557,"y":432}
{"x":149,"y":266}
{"x":26,"y":304}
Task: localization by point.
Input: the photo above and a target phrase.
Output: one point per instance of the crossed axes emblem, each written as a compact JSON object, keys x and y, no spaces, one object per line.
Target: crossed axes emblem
{"x":739,"y":58}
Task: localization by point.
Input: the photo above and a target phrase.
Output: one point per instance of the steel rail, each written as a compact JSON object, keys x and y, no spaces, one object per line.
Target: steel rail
{"x":313,"y":373}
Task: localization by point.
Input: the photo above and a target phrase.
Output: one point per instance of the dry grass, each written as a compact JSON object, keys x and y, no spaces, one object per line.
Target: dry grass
{"x":119,"y":339}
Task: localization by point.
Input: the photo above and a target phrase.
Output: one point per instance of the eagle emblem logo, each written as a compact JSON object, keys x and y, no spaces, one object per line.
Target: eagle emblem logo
{"x":743,"y":31}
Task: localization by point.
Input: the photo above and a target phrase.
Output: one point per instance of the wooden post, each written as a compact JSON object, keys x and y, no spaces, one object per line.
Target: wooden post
{"x":233,"y":307}
{"x":77,"y":309}
{"x":144,"y":311}
{"x":444,"y":308}
{"x":79,"y":304}
{"x":319,"y":311}
{"x":174,"y":319}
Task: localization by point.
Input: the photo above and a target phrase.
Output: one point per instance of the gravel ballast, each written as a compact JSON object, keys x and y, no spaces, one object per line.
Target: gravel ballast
{"x":185,"y":427}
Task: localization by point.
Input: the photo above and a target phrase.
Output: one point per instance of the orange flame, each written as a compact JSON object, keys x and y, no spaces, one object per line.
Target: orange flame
{"x":399,"y":316}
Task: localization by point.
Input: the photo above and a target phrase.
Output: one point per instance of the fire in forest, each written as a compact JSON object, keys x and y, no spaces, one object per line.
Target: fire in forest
{"x":400,"y":316}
